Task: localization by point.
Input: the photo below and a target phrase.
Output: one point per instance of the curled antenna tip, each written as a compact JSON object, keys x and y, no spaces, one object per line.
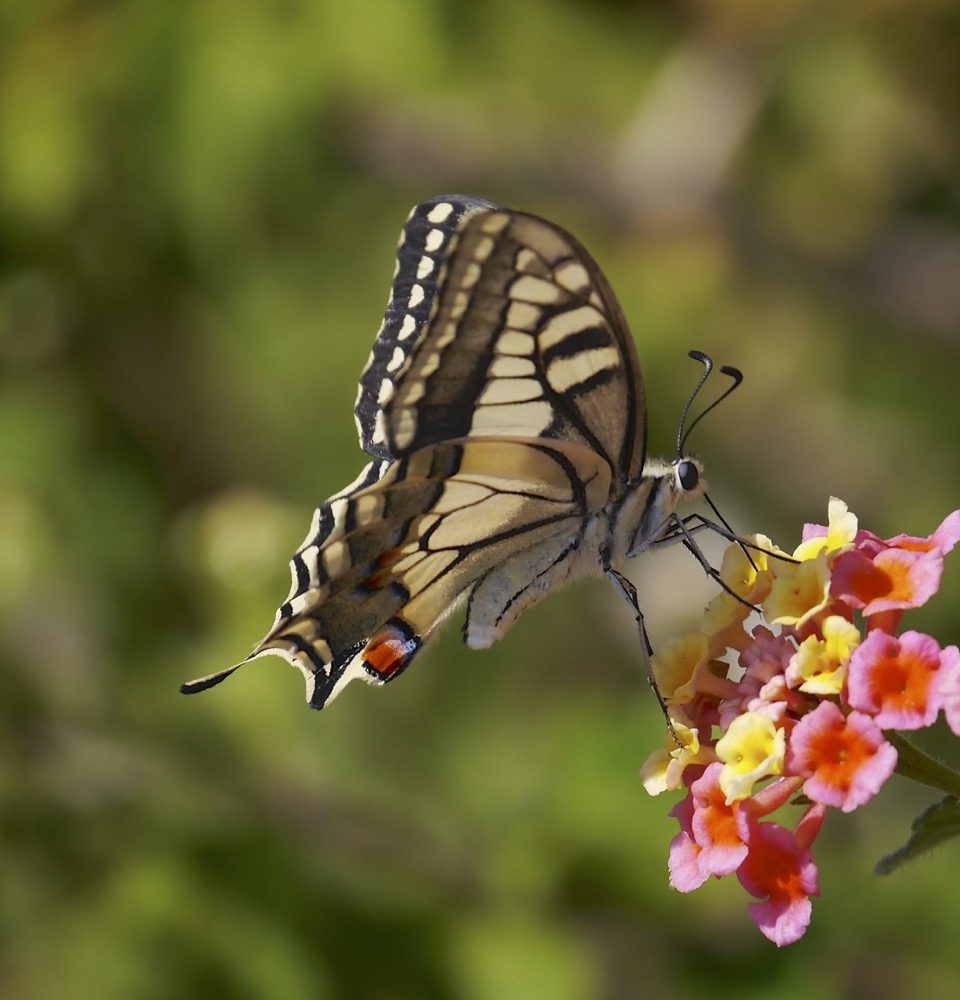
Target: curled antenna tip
{"x":707,"y":362}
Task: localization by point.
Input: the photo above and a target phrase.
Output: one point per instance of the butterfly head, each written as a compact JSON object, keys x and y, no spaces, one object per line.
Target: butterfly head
{"x":648,"y":512}
{"x":677,"y":481}
{"x":665,"y":485}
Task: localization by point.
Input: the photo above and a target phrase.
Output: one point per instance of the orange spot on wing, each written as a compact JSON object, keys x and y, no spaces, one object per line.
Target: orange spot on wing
{"x":388,"y":653}
{"x":377,"y":580}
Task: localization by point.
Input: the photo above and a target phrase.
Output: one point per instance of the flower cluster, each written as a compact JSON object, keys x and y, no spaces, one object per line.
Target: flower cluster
{"x":798,"y":705}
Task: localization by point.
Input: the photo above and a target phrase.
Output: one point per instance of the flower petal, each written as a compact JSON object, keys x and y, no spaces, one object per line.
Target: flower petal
{"x":782,"y":874}
{"x":895,"y":679}
{"x":846,"y":759}
{"x":752,"y":749}
{"x":950,"y":687}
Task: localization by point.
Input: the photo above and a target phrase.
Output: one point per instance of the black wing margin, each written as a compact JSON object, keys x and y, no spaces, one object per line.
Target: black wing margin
{"x":427,"y":240}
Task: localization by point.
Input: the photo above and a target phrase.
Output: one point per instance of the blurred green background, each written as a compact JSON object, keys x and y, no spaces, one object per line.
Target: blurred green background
{"x":200,"y":204}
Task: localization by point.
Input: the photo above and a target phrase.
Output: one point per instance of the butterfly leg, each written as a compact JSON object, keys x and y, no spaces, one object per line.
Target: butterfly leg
{"x":683,"y":530}
{"x":629,"y":593}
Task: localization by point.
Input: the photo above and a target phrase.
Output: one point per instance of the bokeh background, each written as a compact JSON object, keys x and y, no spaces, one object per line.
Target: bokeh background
{"x":200,"y":204}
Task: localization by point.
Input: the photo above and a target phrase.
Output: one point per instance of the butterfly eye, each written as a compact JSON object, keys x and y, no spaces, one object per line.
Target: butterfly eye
{"x":688,"y":475}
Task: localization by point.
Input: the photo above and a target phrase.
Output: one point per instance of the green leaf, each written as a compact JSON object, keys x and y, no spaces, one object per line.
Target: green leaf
{"x":938,"y":823}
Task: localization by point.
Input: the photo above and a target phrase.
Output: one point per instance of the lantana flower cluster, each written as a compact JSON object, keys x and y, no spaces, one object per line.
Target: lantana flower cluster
{"x":796,"y":708}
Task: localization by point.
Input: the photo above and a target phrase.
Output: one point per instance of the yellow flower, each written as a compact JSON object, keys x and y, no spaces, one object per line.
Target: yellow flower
{"x":749,"y":578}
{"x":799,"y":591}
{"x":663,"y":769}
{"x":677,"y":665}
{"x":822,"y":663}
{"x":841,"y":531}
{"x":751,"y":749}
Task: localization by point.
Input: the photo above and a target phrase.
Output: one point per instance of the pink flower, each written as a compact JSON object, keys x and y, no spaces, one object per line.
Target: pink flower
{"x":685,"y":873}
{"x":902,"y":572}
{"x":714,"y":825}
{"x":766,"y":656}
{"x":764,"y":660}
{"x":943,"y":539}
{"x":950,"y":687}
{"x":895,"y":679}
{"x":845,"y":758}
{"x":709,"y":841}
{"x":780,"y":872}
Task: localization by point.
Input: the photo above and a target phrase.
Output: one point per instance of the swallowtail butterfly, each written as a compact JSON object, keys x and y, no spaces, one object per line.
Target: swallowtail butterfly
{"x":504,"y":411}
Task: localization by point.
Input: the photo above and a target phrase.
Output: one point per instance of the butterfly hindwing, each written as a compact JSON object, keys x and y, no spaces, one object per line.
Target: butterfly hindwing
{"x":385,"y":564}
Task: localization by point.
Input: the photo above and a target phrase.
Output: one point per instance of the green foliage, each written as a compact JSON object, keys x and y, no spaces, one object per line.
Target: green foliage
{"x":933,"y":827}
{"x":198,"y":210}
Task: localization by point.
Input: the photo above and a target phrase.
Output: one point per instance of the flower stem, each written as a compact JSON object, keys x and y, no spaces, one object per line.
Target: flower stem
{"x":914,"y":763}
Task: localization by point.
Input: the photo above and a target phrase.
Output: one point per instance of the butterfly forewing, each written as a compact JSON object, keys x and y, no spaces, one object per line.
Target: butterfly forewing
{"x":524,"y":338}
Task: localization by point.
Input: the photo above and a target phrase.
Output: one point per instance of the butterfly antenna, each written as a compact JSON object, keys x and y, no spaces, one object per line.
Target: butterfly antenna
{"x":707,"y":363}
{"x":729,"y":371}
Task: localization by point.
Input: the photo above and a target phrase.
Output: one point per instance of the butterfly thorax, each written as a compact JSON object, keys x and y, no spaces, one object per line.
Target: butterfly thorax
{"x":643,"y":515}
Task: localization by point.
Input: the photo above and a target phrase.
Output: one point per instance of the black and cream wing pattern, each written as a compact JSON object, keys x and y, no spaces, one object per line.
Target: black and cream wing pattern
{"x":503,"y":409}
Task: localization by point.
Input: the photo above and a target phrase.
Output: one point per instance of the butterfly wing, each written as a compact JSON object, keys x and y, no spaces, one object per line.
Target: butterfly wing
{"x":500,"y":324}
{"x":386,"y":561}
